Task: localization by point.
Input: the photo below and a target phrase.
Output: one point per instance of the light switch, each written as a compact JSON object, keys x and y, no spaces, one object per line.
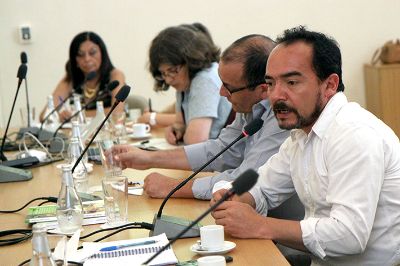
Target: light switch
{"x":25,"y":33}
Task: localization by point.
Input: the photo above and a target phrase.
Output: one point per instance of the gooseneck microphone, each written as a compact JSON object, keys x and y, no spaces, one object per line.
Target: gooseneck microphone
{"x":7,"y":173}
{"x":112,"y":85}
{"x":24,"y":61}
{"x":24,"y":58}
{"x":164,"y":224}
{"x":120,"y":97}
{"x":241,"y":185}
{"x":21,"y":76}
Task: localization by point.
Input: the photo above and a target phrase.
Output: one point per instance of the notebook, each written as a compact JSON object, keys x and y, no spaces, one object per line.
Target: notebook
{"x":135,"y":255}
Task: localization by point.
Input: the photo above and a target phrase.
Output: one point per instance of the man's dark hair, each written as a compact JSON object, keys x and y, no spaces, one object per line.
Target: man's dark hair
{"x":253,"y":51}
{"x":326,"y":59}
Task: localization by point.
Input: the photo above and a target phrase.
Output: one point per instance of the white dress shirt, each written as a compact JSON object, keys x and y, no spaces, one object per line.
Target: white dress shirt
{"x":346,"y":172}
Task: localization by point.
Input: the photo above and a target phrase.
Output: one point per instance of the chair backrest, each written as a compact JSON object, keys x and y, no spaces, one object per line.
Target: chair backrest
{"x":230,"y":118}
{"x":137,"y":101}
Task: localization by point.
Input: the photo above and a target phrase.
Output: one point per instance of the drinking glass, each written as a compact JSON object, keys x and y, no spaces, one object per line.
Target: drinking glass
{"x":115,"y":189}
{"x":110,"y":166}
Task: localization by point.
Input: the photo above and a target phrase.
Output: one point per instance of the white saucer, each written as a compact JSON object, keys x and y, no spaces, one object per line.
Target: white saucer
{"x":228,"y":246}
{"x":133,"y":136}
{"x":89,"y":166}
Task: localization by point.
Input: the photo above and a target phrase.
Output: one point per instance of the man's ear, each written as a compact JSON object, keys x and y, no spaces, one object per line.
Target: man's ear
{"x":332,"y":83}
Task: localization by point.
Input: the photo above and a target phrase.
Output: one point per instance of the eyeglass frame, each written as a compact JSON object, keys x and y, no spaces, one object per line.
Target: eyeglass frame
{"x":169,"y":73}
{"x":234,"y":90}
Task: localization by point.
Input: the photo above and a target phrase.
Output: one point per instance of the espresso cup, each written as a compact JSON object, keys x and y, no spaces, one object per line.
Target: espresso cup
{"x":211,"y":261}
{"x":140,"y":129}
{"x":212,"y":237}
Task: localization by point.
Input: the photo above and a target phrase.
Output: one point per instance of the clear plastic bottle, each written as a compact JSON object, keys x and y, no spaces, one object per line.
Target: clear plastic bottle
{"x":78,"y":107}
{"x":69,"y":205}
{"x":40,"y":247}
{"x":53,"y":121}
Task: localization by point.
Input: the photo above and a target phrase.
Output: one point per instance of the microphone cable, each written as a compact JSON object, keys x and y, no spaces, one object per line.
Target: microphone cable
{"x":141,"y":225}
{"x":24,"y":234}
{"x":48,"y":199}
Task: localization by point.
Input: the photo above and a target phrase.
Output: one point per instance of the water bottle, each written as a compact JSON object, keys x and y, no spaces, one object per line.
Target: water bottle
{"x":53,"y":121}
{"x":69,"y":205}
{"x":40,"y":247}
{"x":95,"y":123}
{"x":76,"y":133}
{"x":78,"y":107}
{"x":80,"y":175}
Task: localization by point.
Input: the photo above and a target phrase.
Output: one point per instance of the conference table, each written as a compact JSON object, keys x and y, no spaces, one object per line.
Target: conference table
{"x":46,"y":182}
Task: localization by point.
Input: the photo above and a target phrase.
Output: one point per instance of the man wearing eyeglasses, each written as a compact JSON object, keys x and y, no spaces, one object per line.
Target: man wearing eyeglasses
{"x":242,"y":70}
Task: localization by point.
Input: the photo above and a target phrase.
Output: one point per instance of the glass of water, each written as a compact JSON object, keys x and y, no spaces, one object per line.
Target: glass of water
{"x":115,"y":189}
{"x":110,"y":166}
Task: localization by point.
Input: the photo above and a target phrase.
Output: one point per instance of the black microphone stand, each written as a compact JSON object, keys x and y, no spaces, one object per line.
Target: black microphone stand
{"x":242,"y":184}
{"x":172,"y":225}
{"x":120,"y":97}
{"x":10,"y":174}
{"x":21,"y":76}
{"x":27,"y":104}
{"x":194,"y":223}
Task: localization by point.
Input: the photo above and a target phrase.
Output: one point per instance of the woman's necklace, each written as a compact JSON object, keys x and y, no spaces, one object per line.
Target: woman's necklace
{"x":89,"y":91}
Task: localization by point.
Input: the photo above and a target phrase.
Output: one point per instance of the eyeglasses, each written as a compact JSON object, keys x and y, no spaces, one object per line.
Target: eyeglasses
{"x":231,"y":90}
{"x":170,"y":73}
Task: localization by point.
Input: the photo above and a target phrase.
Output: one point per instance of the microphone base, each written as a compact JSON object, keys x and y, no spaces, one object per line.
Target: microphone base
{"x":42,"y":135}
{"x":21,"y":163}
{"x":33,"y":130}
{"x":172,"y":226}
{"x":46,"y":136}
{"x":10,"y":174}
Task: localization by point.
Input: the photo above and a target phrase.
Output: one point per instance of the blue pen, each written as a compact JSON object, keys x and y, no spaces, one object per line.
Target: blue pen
{"x":111,"y":248}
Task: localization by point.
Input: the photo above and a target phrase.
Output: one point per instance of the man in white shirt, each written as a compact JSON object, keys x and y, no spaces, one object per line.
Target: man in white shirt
{"x":342,"y":161}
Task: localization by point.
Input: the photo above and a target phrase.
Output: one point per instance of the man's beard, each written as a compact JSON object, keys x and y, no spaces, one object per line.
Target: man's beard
{"x":302,"y":121}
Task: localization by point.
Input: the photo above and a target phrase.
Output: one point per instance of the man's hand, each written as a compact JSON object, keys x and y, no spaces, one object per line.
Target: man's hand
{"x":118,"y":149}
{"x":131,"y":157}
{"x":237,"y":216}
{"x":158,"y":186}
{"x":239,"y":219}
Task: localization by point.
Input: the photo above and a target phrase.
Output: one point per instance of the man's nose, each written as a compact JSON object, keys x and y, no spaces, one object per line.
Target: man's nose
{"x":223,"y":92}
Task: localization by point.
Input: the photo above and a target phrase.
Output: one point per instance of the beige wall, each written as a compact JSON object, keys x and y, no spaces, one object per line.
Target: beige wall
{"x":128,"y":26}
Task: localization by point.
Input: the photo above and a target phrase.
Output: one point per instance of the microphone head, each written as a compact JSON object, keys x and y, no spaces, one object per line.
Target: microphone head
{"x":22,"y":71}
{"x":123,"y":93}
{"x":245,"y":182}
{"x":24,"y":58}
{"x":253,"y":126}
{"x":90,"y":75}
{"x":112,"y":85}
